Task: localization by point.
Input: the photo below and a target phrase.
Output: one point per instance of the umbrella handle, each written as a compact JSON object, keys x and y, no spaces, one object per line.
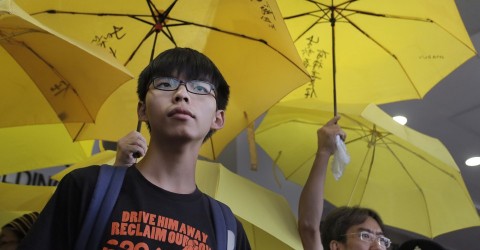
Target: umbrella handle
{"x":139,"y":127}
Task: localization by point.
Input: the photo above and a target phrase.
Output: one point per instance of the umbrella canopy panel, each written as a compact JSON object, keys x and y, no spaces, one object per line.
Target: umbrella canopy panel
{"x":39,"y":146}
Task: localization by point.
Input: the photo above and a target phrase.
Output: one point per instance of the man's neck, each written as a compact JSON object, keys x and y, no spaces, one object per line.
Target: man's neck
{"x":170,"y":168}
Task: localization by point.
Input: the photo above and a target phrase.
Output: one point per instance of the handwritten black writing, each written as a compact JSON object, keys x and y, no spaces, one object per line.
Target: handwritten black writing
{"x":102,"y":40}
{"x":266,"y":13}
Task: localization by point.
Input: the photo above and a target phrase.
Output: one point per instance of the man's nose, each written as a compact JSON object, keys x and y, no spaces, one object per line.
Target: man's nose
{"x":181,"y":94}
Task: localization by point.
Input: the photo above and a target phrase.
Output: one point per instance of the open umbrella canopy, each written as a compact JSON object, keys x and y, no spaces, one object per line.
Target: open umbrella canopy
{"x":23,"y":197}
{"x":47,"y":77}
{"x":247,"y":40}
{"x":39,"y":146}
{"x":265,"y":215}
{"x":408,"y":177}
{"x":360,"y":51}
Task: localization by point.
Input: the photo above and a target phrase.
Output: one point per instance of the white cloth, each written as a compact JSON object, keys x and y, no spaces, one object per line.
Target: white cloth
{"x":340,"y":158}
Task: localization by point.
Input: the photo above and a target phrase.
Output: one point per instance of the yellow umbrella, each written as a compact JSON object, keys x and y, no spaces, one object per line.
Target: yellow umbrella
{"x":408,"y":177}
{"x":265,"y":215}
{"x":361,"y":51}
{"x":104,"y":157}
{"x":23,"y":197}
{"x":39,"y":146}
{"x":47,"y":77}
{"x":247,"y":40}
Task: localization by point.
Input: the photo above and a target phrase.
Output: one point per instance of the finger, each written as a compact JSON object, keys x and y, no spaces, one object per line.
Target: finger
{"x":137,"y":151}
{"x":333,"y":121}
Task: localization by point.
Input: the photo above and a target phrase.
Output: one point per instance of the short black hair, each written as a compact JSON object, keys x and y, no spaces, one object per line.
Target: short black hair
{"x":337,"y":222}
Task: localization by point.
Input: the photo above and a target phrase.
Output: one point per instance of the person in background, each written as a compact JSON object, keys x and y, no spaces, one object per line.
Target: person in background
{"x":14,"y":231}
{"x":350,"y":228}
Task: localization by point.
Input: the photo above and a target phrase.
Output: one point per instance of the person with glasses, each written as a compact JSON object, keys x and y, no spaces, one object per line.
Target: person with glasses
{"x":349,"y":228}
{"x":182,"y":100}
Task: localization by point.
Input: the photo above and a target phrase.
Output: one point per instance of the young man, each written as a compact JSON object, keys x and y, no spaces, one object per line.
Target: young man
{"x":351,"y":228}
{"x":182,"y":99}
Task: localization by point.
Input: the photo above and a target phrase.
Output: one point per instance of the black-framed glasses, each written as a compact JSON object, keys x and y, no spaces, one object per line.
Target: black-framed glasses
{"x":370,"y":238}
{"x":197,"y":87}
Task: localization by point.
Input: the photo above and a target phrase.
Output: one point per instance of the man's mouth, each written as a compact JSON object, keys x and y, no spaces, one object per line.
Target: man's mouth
{"x":180,"y":111}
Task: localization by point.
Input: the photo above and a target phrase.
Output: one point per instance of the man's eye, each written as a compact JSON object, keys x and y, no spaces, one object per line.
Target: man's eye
{"x":201,"y":87}
{"x":164,"y":84}
{"x":366,"y":235}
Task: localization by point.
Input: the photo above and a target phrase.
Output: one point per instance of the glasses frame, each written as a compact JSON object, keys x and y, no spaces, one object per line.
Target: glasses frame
{"x":374,"y":237}
{"x":188,"y":85}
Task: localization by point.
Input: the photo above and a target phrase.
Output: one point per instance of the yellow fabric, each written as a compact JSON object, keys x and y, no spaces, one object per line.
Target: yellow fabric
{"x":384,"y":50}
{"x":23,"y":197}
{"x":104,"y":157}
{"x":261,"y":67}
{"x":39,"y":146}
{"x":265,"y":215}
{"x":408,"y":177}
{"x":47,"y":77}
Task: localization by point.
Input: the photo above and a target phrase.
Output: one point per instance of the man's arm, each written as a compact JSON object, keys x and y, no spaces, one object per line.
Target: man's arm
{"x":311,"y":199}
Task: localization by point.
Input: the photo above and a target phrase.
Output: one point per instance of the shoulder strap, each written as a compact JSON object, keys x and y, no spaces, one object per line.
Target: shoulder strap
{"x":105,"y":194}
{"x":225,"y":225}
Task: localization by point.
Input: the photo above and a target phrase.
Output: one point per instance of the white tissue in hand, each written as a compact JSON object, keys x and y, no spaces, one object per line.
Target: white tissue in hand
{"x":340,"y":158}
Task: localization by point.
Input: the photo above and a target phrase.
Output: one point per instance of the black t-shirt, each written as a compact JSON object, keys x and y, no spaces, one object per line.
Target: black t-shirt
{"x":144,"y":217}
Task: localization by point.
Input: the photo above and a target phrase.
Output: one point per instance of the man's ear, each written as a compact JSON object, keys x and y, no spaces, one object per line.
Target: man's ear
{"x":218,"y":120}
{"x":334,"y":245}
{"x":142,"y":111}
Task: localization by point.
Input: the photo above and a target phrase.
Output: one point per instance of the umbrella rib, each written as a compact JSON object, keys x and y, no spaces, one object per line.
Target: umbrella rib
{"x":387,"y":51}
{"x":413,"y":180}
{"x":319,"y":20}
{"x":358,"y":177}
{"x":384,"y":138}
{"x":79,"y":132}
{"x":152,"y":54}
{"x":69,"y":86}
{"x":427,"y":20}
{"x":169,"y":34}
{"x":324,"y":13}
{"x":301,"y":164}
{"x":149,"y":33}
{"x":242,"y":36}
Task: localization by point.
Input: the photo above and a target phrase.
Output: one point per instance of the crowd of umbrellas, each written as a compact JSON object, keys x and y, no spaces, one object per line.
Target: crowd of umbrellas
{"x":69,"y":73}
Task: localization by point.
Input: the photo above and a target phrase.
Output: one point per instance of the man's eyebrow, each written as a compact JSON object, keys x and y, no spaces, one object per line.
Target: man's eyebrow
{"x":370,"y":231}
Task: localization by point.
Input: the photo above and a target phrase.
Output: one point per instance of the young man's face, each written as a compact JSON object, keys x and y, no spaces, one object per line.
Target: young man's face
{"x":354,"y":241}
{"x":180,"y":114}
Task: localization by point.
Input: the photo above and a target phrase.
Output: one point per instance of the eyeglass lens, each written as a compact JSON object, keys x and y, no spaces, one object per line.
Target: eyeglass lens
{"x":369,"y":237}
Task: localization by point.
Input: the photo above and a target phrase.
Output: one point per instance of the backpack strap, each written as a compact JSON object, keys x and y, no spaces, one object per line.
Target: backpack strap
{"x":105,"y":194}
{"x":225,"y":225}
